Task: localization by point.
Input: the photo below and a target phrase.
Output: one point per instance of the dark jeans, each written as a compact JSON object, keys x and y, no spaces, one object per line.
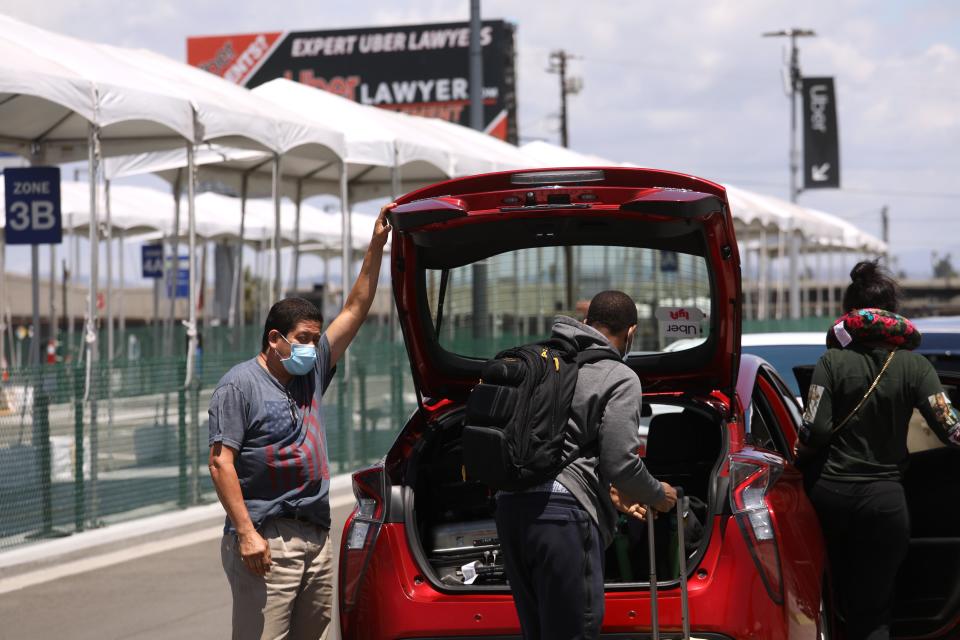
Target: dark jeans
{"x":867,"y":529}
{"x":554,"y":561}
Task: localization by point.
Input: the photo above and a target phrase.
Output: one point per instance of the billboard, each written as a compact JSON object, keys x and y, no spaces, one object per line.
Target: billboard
{"x":821,"y":146}
{"x":420,"y":69}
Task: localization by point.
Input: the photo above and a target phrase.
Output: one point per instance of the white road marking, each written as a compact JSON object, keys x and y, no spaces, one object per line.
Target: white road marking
{"x":33,"y":578}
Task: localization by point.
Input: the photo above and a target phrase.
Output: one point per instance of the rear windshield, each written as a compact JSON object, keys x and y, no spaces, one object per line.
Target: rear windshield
{"x":512,"y":298}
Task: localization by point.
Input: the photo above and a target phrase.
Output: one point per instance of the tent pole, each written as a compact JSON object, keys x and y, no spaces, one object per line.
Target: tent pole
{"x":794,"y":263}
{"x":236,"y":307}
{"x":108,"y":237}
{"x":122,"y":320}
{"x":191,"y":323}
{"x":295,"y":283}
{"x":4,"y":366}
{"x":346,"y":255}
{"x":53,"y":293}
{"x":277,"y":292}
{"x":90,"y":394}
{"x":781,"y":247}
{"x":763,"y":271}
{"x":174,"y":262}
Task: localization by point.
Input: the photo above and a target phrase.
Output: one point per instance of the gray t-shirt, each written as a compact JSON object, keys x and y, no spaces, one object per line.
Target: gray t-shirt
{"x":278,"y":431}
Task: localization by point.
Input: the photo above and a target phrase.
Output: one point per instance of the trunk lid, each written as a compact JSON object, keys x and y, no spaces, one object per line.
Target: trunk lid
{"x":491,"y":258}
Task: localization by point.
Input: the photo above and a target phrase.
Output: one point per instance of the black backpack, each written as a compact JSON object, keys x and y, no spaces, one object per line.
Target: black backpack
{"x":517,"y":416}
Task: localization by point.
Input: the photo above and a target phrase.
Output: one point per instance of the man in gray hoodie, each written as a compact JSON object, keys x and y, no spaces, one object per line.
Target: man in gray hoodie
{"x":553,"y":535}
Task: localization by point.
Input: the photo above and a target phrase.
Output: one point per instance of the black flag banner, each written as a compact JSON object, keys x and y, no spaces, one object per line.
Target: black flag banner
{"x":821,"y":147}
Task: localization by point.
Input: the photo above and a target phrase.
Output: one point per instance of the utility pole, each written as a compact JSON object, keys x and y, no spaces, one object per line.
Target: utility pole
{"x":793,"y":87}
{"x":481,"y":308}
{"x":885,"y":232}
{"x":568,"y":86}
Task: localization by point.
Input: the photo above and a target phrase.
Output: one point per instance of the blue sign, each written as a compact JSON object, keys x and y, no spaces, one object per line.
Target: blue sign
{"x":33,"y":205}
{"x":669,"y":261}
{"x":152,"y":255}
{"x":183,"y":281}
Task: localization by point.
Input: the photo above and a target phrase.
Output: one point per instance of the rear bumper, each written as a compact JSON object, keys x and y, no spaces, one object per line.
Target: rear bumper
{"x":396,"y":601}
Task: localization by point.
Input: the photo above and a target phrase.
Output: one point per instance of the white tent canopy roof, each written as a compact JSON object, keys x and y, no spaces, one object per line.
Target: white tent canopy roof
{"x":75,"y":84}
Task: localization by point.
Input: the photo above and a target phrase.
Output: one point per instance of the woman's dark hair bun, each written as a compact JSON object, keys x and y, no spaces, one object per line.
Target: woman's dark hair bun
{"x":864,"y":271}
{"x":871,"y":285}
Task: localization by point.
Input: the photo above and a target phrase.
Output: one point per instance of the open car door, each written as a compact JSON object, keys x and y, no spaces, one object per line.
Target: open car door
{"x":927,"y":603}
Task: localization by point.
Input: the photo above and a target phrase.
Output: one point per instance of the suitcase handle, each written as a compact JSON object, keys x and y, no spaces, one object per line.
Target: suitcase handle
{"x":682,"y":551}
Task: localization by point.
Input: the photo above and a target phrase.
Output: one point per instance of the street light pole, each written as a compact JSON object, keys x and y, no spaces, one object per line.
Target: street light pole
{"x":793,"y":88}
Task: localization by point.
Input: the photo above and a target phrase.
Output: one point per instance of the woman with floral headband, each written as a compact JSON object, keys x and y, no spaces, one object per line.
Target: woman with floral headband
{"x":861,"y":398}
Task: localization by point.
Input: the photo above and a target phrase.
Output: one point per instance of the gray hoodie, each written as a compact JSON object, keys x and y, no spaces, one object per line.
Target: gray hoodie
{"x":607,"y":402}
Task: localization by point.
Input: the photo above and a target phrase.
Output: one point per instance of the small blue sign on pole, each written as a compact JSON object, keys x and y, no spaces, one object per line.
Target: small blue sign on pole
{"x":32,"y":200}
{"x":182,"y":289}
{"x":669,"y":261}
{"x":152,"y":255}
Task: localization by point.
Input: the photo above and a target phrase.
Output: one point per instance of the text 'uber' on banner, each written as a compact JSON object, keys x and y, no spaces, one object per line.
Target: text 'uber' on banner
{"x":821,"y":145}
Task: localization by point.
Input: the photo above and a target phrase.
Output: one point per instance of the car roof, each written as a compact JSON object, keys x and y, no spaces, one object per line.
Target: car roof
{"x":945,"y":324}
{"x":799,"y":338}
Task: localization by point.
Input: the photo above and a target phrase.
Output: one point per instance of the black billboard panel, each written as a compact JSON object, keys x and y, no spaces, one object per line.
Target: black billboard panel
{"x":821,"y":145}
{"x":419,"y":69}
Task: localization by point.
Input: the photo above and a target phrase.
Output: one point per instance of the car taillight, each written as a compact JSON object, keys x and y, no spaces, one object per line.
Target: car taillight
{"x":751,"y":478}
{"x":369,"y":486}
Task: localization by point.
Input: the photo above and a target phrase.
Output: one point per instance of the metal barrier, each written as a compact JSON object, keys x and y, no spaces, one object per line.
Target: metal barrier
{"x":138,"y":445}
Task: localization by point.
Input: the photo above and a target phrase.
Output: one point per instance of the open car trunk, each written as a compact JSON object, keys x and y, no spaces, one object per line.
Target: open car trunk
{"x":450,"y":522}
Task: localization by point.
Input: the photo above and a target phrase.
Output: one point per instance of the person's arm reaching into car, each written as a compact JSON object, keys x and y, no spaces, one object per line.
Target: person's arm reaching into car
{"x":619,"y":463}
{"x":345,"y":326}
{"x":935,"y":406}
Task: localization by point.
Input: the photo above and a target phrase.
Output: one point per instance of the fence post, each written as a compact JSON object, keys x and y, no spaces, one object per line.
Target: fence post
{"x":362,"y":384}
{"x":79,"y":502}
{"x":195,"y":428}
{"x":182,"y":442}
{"x":41,"y":439}
{"x":342,"y":420}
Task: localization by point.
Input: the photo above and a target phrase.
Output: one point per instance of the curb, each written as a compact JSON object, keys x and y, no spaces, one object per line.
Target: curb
{"x":206,"y":518}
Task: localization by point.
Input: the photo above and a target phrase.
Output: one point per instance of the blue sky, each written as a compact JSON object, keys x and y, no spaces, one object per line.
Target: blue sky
{"x":685,"y":85}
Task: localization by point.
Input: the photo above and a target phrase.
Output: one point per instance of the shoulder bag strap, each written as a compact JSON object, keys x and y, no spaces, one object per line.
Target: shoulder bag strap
{"x":865,"y":395}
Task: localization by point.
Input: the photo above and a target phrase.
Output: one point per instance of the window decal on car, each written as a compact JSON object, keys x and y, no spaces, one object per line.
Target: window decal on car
{"x":813,"y":403}
{"x":680,"y":322}
{"x":946,"y":415}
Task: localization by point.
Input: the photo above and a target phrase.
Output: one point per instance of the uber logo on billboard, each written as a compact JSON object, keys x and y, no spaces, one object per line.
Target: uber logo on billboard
{"x":418,"y":69}
{"x":821,"y":146}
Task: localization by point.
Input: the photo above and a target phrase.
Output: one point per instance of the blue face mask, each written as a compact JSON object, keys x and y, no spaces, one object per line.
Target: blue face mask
{"x":302,"y":358}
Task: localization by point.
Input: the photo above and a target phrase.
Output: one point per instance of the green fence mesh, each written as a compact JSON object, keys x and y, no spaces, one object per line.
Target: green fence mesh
{"x":137,"y":443}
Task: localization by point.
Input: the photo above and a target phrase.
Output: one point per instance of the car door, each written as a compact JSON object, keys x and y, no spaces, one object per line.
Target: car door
{"x":927,"y":602}
{"x":772,"y":426}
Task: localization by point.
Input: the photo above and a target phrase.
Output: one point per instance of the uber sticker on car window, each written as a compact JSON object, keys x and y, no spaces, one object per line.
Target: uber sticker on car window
{"x":813,"y":403}
{"x":946,"y":415}
{"x":680,"y":322}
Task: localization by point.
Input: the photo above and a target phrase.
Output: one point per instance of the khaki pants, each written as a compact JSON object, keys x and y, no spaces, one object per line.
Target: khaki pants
{"x":294,"y":600}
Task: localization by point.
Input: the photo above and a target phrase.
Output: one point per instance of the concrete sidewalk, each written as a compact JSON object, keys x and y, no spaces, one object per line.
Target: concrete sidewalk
{"x":94,"y":549}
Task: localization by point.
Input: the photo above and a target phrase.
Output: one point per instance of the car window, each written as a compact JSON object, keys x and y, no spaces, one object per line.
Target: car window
{"x":762,"y":420}
{"x":520,"y":292}
{"x":784,"y":357}
{"x":789,"y":400}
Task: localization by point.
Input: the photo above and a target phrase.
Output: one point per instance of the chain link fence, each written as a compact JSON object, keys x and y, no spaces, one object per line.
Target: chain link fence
{"x":136,"y":443}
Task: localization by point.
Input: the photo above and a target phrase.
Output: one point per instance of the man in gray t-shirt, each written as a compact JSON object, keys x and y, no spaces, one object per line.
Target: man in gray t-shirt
{"x":269,"y":464}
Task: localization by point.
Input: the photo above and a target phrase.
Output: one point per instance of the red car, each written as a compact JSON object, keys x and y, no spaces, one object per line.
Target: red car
{"x":481,"y":263}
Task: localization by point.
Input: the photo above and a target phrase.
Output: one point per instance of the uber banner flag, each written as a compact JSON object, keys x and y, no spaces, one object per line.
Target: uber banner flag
{"x":821,"y":147}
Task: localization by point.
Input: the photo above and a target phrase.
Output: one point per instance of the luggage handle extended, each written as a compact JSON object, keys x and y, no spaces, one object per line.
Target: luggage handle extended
{"x":682,"y":551}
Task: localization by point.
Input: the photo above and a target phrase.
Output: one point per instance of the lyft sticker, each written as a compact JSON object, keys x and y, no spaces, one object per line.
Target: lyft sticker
{"x":680,"y":322}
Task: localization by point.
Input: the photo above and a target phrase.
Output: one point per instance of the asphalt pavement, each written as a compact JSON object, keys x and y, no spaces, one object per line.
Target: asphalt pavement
{"x":176,"y":593}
